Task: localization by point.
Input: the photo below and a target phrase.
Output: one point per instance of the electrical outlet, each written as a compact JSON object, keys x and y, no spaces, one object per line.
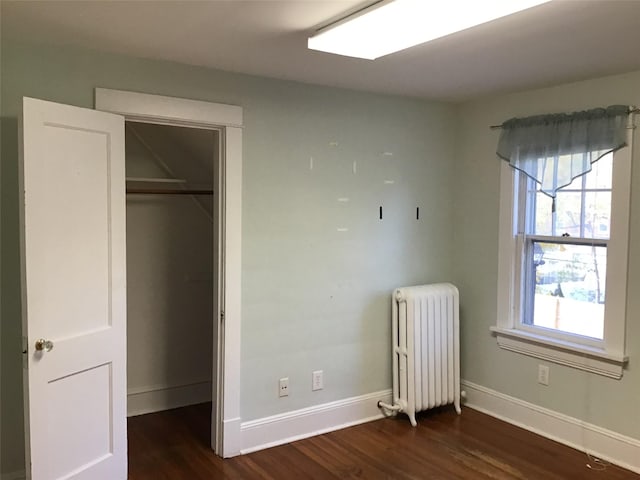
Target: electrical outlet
{"x":284,"y":387}
{"x":317,"y":382}
{"x":543,"y":374}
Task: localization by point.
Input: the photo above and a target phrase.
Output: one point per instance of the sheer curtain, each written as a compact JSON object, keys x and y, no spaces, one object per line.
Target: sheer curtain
{"x":554,"y":149}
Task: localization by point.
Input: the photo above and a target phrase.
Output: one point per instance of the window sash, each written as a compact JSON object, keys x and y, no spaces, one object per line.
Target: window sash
{"x":525,"y":320}
{"x":529,"y":195}
{"x":525,"y":199}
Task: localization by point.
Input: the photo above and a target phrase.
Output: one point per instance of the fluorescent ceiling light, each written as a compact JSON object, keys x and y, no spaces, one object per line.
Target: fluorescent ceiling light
{"x":392,"y":25}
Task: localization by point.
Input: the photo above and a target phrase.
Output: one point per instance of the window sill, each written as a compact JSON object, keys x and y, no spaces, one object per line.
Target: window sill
{"x":589,"y":359}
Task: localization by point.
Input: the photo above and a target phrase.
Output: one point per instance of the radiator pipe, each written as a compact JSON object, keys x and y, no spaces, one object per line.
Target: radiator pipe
{"x":386,"y":406}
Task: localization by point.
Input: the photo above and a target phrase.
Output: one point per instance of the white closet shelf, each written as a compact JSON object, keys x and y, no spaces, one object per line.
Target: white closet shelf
{"x":155,"y":180}
{"x":164,"y":186}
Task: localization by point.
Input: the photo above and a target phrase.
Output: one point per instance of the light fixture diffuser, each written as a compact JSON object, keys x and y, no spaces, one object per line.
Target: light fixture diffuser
{"x":389,"y":26}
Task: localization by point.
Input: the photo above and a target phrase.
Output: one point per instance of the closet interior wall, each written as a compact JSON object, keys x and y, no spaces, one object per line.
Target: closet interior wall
{"x":169,"y":266}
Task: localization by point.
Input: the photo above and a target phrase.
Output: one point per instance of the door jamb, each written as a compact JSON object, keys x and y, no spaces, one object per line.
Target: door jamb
{"x":228,"y":120}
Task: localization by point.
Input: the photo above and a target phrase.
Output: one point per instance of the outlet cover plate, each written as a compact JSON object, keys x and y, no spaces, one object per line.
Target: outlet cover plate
{"x":543,"y":375}
{"x":317,"y":380}
{"x":283,"y":387}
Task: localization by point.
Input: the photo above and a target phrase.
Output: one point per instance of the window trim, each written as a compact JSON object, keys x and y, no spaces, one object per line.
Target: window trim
{"x":610,"y":358}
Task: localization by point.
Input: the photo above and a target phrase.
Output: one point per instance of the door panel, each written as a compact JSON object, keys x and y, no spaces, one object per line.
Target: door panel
{"x":73,"y":265}
{"x":80,"y":200}
{"x":90,"y":410}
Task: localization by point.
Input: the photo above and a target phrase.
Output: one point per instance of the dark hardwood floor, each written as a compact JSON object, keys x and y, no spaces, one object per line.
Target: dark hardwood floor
{"x":175,"y":445}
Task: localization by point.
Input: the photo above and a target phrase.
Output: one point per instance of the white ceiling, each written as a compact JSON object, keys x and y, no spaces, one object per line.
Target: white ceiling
{"x":564,"y":40}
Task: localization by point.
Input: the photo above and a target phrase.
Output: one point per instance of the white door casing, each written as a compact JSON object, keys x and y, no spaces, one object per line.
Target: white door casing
{"x":217,"y":384}
{"x":72,"y":220}
{"x":228,"y":120}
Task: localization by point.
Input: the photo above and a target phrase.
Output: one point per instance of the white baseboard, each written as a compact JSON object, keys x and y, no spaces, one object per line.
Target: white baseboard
{"x":164,"y":397}
{"x":605,"y":444}
{"x":307,"y":422}
{"x":19,"y":475}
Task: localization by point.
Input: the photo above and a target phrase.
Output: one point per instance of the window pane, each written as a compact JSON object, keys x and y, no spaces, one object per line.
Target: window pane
{"x":600,"y":174}
{"x":544,"y":217}
{"x":569,"y":290}
{"x":568,"y":213}
{"x":597,"y":214}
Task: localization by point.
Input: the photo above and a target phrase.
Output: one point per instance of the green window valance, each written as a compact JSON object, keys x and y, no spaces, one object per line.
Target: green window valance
{"x":554,"y":149}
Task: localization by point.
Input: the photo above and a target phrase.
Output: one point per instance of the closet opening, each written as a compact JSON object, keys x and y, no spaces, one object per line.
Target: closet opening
{"x":172,"y":278}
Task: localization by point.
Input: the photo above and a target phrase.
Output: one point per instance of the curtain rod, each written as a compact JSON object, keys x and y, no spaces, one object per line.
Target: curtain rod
{"x":631,"y":110}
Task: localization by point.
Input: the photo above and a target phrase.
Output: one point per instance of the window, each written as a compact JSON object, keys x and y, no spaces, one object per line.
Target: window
{"x":565,"y":255}
{"x":563,"y":266}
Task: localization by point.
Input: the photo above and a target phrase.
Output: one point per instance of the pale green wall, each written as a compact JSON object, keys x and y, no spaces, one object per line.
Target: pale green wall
{"x":612,"y":404}
{"x":312,"y":297}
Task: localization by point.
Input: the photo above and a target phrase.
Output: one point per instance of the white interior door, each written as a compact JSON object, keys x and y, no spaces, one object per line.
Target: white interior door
{"x":74,"y":292}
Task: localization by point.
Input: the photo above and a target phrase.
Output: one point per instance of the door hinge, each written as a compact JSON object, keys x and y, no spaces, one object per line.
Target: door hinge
{"x":222,"y":316}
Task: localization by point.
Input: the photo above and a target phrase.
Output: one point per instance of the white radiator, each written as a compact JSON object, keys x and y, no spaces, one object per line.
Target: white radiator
{"x":425,"y":348}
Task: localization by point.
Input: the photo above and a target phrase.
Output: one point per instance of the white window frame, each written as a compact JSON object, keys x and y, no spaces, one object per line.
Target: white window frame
{"x":606,"y":357}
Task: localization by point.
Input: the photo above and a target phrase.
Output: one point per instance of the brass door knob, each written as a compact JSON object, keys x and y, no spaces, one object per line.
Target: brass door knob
{"x":44,"y":345}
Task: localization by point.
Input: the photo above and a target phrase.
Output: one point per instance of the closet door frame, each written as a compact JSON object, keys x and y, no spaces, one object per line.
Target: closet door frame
{"x":226,"y":119}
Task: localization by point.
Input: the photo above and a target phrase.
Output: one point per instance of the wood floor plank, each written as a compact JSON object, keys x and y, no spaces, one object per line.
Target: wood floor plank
{"x":174,"y":445}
